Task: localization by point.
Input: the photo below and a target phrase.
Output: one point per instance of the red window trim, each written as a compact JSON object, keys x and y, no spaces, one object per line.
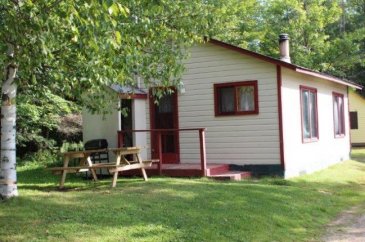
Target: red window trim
{"x":342,"y":135}
{"x":314,"y":90}
{"x":234,"y":85}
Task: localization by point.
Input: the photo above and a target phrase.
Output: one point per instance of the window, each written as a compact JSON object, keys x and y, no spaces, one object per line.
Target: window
{"x":308,"y":98}
{"x":338,"y":115}
{"x":236,"y":98}
{"x":353,"y":120}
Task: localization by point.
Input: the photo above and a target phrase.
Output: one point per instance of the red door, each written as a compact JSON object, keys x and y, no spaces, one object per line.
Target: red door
{"x":164,"y":115}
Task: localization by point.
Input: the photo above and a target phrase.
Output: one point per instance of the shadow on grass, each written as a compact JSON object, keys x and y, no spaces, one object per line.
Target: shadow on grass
{"x":166,"y":209}
{"x":43,"y":180}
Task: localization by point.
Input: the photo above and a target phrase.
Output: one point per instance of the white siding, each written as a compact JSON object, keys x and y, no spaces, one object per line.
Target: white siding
{"x":302,"y":158}
{"x":248,"y":139}
{"x":95,"y":126}
{"x":139,"y":122}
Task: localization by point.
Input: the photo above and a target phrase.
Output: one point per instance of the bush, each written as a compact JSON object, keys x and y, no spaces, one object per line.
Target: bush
{"x":40,"y":121}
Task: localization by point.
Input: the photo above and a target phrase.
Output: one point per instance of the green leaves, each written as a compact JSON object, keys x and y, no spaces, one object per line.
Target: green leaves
{"x":325,"y":35}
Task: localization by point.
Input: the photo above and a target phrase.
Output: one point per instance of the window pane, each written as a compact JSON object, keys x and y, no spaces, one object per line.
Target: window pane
{"x":245,"y":98}
{"x":335,"y":114}
{"x":353,"y":120}
{"x":338,"y":115}
{"x":165,"y":104}
{"x":341,"y":118}
{"x":313,"y":114}
{"x":306,"y":114}
{"x":226,"y":98}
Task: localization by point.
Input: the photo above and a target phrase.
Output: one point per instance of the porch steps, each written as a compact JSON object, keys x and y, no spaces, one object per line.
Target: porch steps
{"x":223,"y":172}
{"x":232,"y":175}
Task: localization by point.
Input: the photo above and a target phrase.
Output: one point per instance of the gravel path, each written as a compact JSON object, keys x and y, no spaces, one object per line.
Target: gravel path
{"x":349,"y":226}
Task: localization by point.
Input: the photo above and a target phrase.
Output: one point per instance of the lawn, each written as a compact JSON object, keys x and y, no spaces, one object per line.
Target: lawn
{"x":170,"y":209}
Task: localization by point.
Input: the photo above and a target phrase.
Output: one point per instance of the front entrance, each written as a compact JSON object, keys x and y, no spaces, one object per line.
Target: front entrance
{"x":164,"y":115}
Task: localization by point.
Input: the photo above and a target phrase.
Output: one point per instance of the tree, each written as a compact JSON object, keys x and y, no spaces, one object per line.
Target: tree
{"x":325,"y":35}
{"x":347,"y":53}
{"x":78,"y":46}
{"x":40,"y":115}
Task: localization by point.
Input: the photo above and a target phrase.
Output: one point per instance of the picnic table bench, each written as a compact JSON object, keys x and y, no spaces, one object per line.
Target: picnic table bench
{"x":121,"y":163}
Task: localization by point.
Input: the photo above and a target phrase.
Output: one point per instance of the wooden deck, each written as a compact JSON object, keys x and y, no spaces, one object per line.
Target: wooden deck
{"x":218,"y":171}
{"x":179,"y":170}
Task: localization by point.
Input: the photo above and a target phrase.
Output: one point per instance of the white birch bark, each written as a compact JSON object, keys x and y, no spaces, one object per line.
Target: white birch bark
{"x":8,"y":178}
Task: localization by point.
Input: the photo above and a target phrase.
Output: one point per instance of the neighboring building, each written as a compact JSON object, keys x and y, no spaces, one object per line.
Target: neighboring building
{"x":357,"y":119}
{"x":262,"y":114}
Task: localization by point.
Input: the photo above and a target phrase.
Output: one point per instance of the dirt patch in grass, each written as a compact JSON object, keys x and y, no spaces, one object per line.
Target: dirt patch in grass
{"x":348,"y":226}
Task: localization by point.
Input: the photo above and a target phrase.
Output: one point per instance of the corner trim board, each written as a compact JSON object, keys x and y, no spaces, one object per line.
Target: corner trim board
{"x":280,"y":115}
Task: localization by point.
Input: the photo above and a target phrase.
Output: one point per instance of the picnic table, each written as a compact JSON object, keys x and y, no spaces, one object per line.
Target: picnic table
{"x":121,"y":163}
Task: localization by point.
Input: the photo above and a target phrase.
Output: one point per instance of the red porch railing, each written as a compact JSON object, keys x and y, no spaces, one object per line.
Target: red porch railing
{"x":158,"y":132}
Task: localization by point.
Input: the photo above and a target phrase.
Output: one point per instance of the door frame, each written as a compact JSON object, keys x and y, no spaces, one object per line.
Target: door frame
{"x":175,"y":124}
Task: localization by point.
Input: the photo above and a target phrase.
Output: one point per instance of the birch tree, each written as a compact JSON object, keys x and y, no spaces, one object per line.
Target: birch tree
{"x":79,"y":46}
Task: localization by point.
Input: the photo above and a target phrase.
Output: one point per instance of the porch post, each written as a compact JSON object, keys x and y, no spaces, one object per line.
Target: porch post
{"x":203,"y":158}
{"x":159,"y":142}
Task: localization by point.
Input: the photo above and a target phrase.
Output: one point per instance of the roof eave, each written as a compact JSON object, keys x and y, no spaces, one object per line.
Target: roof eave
{"x":329,"y":78}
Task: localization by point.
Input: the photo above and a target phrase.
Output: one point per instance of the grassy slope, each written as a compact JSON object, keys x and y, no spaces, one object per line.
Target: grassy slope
{"x":167,"y":209}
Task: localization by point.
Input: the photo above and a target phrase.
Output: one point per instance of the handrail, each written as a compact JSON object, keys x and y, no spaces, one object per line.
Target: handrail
{"x":203,"y":159}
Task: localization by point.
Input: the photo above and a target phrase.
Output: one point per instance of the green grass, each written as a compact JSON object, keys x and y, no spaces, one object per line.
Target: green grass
{"x":170,"y":209}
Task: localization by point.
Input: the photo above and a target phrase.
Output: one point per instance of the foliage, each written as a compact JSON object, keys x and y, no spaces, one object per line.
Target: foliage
{"x":74,"y":47}
{"x":67,"y":146}
{"x":327,"y":36}
{"x":39,"y":116}
{"x":167,"y":209}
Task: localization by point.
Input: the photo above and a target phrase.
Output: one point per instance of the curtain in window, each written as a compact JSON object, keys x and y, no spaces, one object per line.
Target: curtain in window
{"x":341,"y":115}
{"x":226,"y":95}
{"x":246,"y":98}
{"x":338,"y":115}
{"x":313,"y":114}
{"x":306,"y":114}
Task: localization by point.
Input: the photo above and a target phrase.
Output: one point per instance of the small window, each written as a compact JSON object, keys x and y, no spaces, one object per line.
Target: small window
{"x":236,"y":98}
{"x":309,"y":114}
{"x":353,"y":120}
{"x":338,"y":115}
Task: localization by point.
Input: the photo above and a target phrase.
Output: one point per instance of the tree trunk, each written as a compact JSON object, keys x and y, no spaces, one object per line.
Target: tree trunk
{"x":8,"y":180}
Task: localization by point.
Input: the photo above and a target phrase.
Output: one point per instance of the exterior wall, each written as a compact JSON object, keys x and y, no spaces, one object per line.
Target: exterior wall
{"x":301,"y":158}
{"x":357,"y":104}
{"x":139,"y":122}
{"x":247,"y":139}
{"x":97,"y":126}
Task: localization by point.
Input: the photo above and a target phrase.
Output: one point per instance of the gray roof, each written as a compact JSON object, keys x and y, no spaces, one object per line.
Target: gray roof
{"x":126,"y":89}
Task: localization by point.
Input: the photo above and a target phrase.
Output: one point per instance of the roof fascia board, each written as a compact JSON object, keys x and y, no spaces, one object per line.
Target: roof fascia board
{"x":319,"y":75}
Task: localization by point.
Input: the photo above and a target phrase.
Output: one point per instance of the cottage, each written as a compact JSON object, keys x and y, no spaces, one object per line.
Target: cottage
{"x":261,"y":114}
{"x":357,"y":119}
